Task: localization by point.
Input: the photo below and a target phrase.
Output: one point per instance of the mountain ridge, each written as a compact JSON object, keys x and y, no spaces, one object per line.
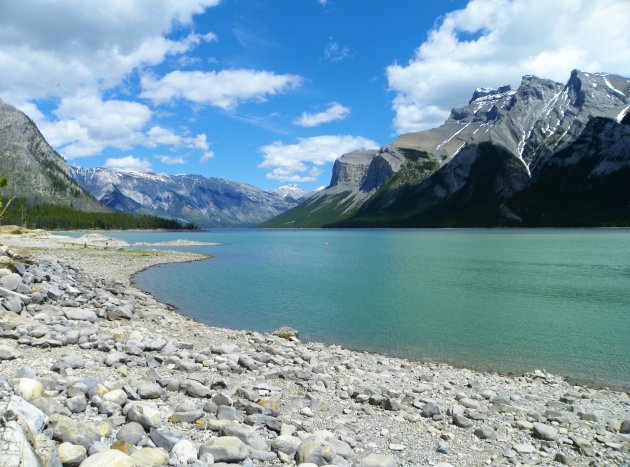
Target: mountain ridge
{"x":34,"y":170}
{"x":526,"y":126}
{"x":206,"y":202}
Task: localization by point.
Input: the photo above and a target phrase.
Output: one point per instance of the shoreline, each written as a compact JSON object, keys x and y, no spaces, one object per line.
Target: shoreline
{"x":367,"y":409}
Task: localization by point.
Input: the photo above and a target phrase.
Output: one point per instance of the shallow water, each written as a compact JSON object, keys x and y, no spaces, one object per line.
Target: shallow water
{"x":503,"y":300}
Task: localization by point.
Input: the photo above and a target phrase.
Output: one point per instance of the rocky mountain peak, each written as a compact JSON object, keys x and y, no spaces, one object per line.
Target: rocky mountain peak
{"x":490,"y":93}
{"x":34,"y":170}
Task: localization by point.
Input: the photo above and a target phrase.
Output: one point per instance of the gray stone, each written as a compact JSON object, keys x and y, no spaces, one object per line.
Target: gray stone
{"x":286,"y":332}
{"x":378,"y":460}
{"x":564,"y":459}
{"x":247,"y":362}
{"x":524,"y":448}
{"x":227,"y":413}
{"x":315,"y":450}
{"x":187,"y":417}
{"x":461,"y":421}
{"x":225,"y":449}
{"x":165,"y":439}
{"x":76,"y":404}
{"x":80,"y":314}
{"x":485,"y":432}
{"x":431,"y":409}
{"x":71,"y":455}
{"x":196,"y":389}
{"x":625,"y":427}
{"x":109,"y":458}
{"x":221,"y":399}
{"x":146,"y":415}
{"x":545,"y":432}
{"x":66,"y":429}
{"x":8,"y":353}
{"x":124,"y":311}
{"x":132,"y":433}
{"x":287,"y":444}
{"x":50,"y":406}
{"x":35,"y":418}
{"x":10,"y":281}
{"x":149,"y":390}
{"x":343,"y":449}
{"x":12,"y":303}
{"x":69,"y":361}
{"x":442,"y":448}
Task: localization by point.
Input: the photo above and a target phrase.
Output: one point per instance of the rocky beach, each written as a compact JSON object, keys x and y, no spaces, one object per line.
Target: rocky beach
{"x":94,"y":372}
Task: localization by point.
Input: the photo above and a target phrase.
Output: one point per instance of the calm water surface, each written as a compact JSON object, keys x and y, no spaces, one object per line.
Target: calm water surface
{"x":501,"y":300}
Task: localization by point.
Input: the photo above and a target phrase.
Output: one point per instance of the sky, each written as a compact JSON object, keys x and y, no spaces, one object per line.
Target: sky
{"x":271,"y":92}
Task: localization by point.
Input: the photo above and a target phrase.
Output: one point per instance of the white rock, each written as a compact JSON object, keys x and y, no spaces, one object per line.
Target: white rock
{"x":146,"y":415}
{"x":183,"y":451}
{"x":71,"y":454}
{"x":109,"y":458}
{"x":29,"y":388}
{"x":33,"y":416}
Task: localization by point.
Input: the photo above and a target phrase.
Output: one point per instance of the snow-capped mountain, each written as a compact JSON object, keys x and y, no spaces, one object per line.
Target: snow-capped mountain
{"x":466,"y":171}
{"x":207,"y":202}
{"x":292,"y":193}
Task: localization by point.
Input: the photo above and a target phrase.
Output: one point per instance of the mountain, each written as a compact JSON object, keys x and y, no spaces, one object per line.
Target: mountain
{"x":292,"y":193}
{"x":206,"y":202}
{"x":355,"y":176}
{"x":35,"y":172}
{"x":494,"y":160}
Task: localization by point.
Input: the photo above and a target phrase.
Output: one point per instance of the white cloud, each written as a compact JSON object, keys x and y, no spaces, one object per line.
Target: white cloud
{"x":171,"y":160}
{"x":95,"y":45}
{"x":224,"y":89}
{"x":159,"y":136}
{"x":128,"y":163}
{"x":334,"y":52}
{"x":207,"y":155}
{"x":86,"y":124}
{"x":495,"y":42}
{"x":335,"y":111}
{"x":301,"y":161}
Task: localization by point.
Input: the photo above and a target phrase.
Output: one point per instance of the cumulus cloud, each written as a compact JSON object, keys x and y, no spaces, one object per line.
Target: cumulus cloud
{"x":495,"y":42}
{"x":207,"y":155}
{"x":86,"y":124}
{"x":224,"y":89}
{"x":159,"y":136}
{"x":302,"y":161}
{"x":334,"y":52}
{"x":171,"y":160}
{"x":128,"y":163}
{"x":335,"y":111}
{"x":96,"y":45}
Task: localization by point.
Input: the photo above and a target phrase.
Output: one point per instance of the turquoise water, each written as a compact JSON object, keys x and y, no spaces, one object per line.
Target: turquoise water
{"x":503,"y":300}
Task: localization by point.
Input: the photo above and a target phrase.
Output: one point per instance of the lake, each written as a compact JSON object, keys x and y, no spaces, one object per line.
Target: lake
{"x":506,"y":300}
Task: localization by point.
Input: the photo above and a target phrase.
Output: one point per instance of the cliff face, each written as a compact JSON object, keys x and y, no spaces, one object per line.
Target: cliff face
{"x":355,"y":177}
{"x":207,"y":202}
{"x":33,"y":169}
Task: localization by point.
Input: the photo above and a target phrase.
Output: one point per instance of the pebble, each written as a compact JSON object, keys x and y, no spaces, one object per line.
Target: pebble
{"x":109,"y":367}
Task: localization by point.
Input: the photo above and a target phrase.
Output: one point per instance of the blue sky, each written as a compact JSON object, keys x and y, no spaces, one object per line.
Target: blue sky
{"x":270,"y":92}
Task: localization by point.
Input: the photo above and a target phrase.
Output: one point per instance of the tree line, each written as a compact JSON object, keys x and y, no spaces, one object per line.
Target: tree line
{"x":55,"y":217}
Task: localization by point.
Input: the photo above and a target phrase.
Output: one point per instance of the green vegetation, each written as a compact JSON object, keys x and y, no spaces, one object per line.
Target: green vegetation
{"x":413,"y":154}
{"x":411,"y":199}
{"x":51,"y":217}
{"x":3,"y":208}
{"x":317,"y":212}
